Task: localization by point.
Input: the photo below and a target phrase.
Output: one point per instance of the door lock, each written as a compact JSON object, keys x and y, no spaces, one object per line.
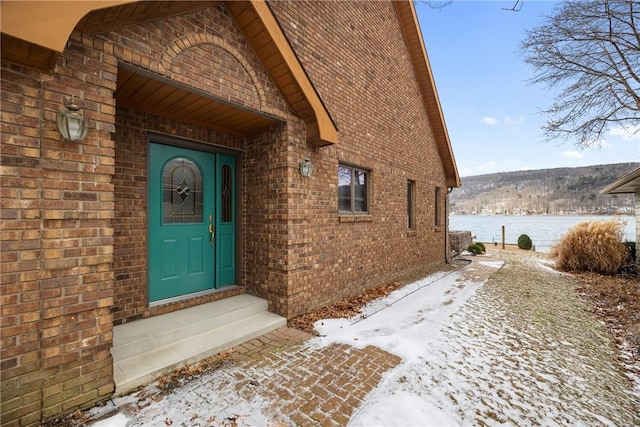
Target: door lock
{"x":212,"y":231}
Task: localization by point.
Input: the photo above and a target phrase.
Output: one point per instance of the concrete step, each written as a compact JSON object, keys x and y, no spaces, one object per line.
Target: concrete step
{"x":145,"y":335}
{"x":147,"y":349}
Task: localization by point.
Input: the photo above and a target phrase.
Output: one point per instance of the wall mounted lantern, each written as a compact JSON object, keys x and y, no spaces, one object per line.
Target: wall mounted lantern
{"x":306,"y":168}
{"x":71,"y":124}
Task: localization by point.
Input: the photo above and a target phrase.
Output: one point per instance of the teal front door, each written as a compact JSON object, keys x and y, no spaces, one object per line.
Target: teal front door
{"x":191,"y":221}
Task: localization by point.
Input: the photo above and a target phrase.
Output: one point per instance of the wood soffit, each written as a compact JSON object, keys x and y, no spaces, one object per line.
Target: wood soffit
{"x":35,"y":32}
{"x":159,"y":95}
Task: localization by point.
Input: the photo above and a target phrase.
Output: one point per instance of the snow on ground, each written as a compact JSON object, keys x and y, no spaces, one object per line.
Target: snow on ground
{"x":410,"y":326}
{"x":526,"y":354}
{"x":513,"y":354}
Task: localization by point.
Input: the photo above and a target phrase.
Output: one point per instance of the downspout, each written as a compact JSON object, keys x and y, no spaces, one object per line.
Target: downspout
{"x":447,"y":252}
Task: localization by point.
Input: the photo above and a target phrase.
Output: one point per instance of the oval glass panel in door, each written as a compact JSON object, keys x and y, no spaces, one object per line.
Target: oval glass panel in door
{"x":181,"y":192}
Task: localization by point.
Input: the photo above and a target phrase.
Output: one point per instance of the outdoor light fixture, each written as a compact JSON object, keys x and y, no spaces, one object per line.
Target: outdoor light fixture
{"x":71,"y":124}
{"x":306,"y":168}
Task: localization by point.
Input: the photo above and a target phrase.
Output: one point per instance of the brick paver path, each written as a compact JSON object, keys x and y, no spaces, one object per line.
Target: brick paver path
{"x":321,"y":386}
{"x":290,"y":380}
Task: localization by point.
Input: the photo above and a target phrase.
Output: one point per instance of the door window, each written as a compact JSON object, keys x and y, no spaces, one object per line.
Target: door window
{"x":182,"y":192}
{"x":227,"y":194}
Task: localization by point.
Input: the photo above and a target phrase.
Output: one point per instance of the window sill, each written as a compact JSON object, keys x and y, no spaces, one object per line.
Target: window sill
{"x":411,"y":233}
{"x":355,"y":218}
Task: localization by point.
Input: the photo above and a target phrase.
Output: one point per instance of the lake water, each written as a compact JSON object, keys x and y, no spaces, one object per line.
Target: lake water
{"x":544,"y":230}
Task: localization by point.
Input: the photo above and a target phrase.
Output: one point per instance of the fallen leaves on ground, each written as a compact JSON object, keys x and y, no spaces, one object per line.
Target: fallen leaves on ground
{"x":184,"y":374}
{"x":615,"y":301}
{"x":346,"y":308}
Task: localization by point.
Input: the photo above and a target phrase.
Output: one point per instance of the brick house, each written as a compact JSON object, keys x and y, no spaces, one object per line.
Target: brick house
{"x":188,"y":187}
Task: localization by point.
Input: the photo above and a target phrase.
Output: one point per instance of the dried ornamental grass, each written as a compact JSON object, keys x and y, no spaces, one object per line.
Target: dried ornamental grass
{"x":594,"y":246}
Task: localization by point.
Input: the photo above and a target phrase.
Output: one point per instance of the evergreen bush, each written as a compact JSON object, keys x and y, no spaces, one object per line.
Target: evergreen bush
{"x":475,"y":249}
{"x":524,"y":242}
{"x":594,"y":246}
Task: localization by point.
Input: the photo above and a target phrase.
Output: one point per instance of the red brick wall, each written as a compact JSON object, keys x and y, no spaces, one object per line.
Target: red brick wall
{"x":272,"y":225}
{"x":57,"y":206}
{"x":356,"y":57}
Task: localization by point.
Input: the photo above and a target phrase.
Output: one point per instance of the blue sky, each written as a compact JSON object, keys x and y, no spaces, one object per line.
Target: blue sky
{"x":491,"y":110}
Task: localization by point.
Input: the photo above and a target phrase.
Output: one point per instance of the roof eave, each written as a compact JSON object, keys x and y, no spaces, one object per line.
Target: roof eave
{"x":418,"y":52}
{"x":321,"y":130}
{"x":619,"y":186}
{"x":47,"y":24}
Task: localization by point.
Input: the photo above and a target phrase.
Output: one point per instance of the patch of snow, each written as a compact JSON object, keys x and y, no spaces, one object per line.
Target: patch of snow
{"x":493,"y":264}
{"x":118,"y":420}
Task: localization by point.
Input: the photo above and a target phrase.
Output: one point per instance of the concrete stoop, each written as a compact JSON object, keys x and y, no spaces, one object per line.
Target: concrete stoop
{"x":146,"y":349}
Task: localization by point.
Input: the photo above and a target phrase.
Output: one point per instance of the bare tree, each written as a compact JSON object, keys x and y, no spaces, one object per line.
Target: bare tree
{"x":591,"y":51}
{"x":439,"y":4}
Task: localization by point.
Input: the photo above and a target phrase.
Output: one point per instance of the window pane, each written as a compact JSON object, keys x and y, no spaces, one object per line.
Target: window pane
{"x":360,"y":191}
{"x":410,"y":203}
{"x":352,"y":190}
{"x":227,"y":201}
{"x":437,"y":207}
{"x":344,"y":203}
{"x":344,"y":188}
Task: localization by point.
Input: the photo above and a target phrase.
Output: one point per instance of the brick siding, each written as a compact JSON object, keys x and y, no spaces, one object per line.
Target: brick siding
{"x":355,"y":55}
{"x":57,"y":240}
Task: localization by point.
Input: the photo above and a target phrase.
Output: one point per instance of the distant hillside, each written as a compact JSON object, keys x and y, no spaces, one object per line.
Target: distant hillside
{"x":544,"y":191}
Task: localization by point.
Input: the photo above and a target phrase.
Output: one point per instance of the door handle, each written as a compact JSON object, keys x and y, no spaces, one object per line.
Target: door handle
{"x":212,"y":231}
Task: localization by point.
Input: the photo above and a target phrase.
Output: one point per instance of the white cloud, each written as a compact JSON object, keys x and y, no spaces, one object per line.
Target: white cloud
{"x":514,"y":121}
{"x":606,"y":144}
{"x":626,"y":132}
{"x":572,"y":154}
{"x":507,"y":120}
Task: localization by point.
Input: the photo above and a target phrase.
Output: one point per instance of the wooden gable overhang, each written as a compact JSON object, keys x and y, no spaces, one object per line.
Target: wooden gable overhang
{"x":418,"y":52}
{"x":35,"y":33}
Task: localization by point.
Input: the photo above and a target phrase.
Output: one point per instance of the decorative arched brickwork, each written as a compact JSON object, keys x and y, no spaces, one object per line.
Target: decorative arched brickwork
{"x":189,"y":41}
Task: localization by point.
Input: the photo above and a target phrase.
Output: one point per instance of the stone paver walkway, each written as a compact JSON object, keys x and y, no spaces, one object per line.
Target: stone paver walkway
{"x":293,"y":383}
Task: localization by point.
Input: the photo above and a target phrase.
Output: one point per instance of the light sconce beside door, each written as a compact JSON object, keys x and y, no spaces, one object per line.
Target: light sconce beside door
{"x":71,"y":124}
{"x":306,"y":168}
